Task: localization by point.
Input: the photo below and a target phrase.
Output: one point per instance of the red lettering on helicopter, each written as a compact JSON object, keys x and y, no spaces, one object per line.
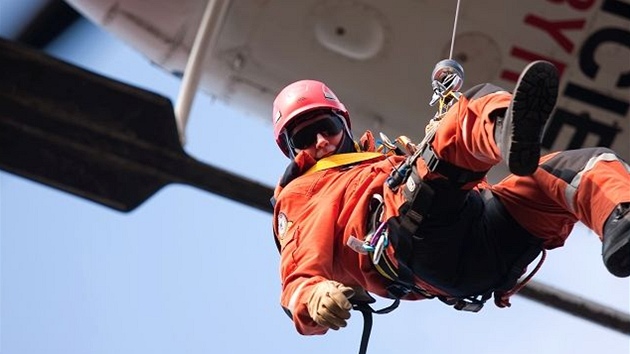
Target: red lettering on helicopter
{"x":529,"y":56}
{"x":556,"y":29}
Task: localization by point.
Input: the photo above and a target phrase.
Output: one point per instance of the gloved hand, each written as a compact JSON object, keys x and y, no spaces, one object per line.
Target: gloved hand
{"x":328,"y":305}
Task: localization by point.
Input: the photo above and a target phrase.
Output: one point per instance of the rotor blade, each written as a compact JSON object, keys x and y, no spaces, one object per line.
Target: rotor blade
{"x":577,"y":306}
{"x":97,"y":138}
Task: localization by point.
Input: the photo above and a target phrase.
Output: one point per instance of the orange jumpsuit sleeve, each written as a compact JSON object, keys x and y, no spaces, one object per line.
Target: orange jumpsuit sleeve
{"x":306,"y":229}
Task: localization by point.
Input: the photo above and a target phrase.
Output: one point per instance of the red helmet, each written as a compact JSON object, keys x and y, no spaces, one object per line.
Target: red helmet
{"x":298,"y":98}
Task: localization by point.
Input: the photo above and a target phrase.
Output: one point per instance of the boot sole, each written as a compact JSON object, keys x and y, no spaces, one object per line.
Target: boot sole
{"x":532,"y":103}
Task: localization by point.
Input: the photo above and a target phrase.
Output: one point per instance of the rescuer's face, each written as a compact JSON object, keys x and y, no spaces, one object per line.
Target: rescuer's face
{"x":319,"y":137}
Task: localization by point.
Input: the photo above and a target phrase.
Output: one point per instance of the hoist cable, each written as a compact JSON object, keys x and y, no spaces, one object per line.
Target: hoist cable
{"x":450,"y":56}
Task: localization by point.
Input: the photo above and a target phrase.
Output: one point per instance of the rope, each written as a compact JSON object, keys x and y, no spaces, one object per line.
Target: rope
{"x":450,"y":56}
{"x":367,"y":312}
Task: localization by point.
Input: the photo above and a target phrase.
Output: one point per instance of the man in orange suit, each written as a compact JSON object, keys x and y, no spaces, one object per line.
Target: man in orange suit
{"x":350,"y":217}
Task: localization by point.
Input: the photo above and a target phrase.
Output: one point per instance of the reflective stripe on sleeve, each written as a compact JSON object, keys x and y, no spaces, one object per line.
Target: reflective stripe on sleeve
{"x":294,"y":297}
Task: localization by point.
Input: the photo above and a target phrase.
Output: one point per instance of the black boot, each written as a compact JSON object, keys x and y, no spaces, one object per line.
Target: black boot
{"x":518,"y":134}
{"x":616,"y":245}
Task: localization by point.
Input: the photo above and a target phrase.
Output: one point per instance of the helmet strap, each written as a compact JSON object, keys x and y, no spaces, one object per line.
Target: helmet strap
{"x":347,"y":144}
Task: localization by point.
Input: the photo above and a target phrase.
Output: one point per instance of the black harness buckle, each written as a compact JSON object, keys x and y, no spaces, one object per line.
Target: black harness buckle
{"x":470,"y":305}
{"x":398,"y":291}
{"x":455,"y":174}
{"x":430,"y":158}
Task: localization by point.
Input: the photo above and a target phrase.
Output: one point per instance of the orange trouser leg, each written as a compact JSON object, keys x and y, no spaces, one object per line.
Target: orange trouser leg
{"x":465,"y":137}
{"x":577,"y":185}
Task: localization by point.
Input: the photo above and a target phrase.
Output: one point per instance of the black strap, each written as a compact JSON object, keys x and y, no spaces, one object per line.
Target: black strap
{"x":469,"y":304}
{"x":518,"y":268}
{"x":367,"y":312}
{"x":530,"y":253}
{"x":455,"y":174}
{"x":419,"y":197}
{"x":367,"y":326}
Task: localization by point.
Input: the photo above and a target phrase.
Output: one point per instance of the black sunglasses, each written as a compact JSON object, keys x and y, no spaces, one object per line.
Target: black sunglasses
{"x":307,"y":136}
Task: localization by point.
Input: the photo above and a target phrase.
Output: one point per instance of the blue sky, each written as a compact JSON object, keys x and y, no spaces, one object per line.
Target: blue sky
{"x":191,"y":272}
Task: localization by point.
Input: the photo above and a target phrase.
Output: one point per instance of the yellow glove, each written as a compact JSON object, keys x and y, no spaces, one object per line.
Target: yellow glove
{"x":328,"y":305}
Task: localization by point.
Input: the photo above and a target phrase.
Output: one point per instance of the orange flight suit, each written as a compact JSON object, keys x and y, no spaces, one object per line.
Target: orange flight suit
{"x":317,"y":213}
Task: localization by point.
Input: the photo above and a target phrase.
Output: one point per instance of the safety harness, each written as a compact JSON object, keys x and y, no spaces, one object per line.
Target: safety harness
{"x":398,"y":233}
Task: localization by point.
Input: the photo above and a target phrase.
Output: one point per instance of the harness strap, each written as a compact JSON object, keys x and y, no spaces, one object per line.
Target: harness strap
{"x":511,"y":284}
{"x":502,"y":298}
{"x":367,"y":311}
{"x":470,"y":304}
{"x":455,"y":174}
{"x":419,"y":196}
{"x":401,"y":277}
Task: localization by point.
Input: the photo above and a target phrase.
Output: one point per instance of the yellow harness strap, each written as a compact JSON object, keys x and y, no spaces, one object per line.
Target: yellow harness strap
{"x":342,"y":160}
